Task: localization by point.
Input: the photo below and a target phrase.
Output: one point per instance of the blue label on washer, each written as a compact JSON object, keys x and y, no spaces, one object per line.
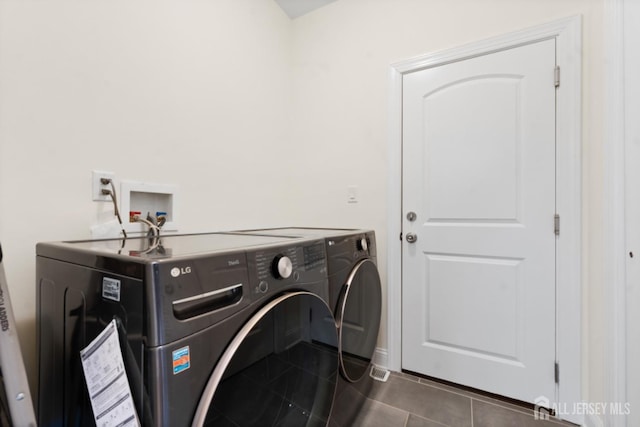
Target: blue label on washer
{"x":181,"y":360}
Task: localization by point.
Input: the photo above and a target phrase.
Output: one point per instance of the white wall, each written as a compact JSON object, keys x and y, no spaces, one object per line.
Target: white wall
{"x":193,"y":93}
{"x":260,"y":120}
{"x":342,"y":55}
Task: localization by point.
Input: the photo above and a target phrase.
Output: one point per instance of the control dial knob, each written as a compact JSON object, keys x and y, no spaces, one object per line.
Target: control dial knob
{"x":362,"y":244}
{"x":282,"y":267}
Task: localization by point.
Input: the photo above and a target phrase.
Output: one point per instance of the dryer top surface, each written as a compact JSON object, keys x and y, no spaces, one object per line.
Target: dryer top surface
{"x":305,"y":232}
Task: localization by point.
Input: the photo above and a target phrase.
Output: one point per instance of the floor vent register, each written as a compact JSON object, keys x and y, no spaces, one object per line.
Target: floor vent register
{"x":379,"y":374}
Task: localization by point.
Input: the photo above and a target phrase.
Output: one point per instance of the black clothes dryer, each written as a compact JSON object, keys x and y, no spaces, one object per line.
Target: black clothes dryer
{"x":215,"y":329}
{"x":355,"y":293}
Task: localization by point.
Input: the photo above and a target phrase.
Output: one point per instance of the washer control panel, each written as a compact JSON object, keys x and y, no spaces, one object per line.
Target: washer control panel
{"x":276,"y":263}
{"x":362,"y":244}
{"x":344,"y":250}
{"x":279,"y":268}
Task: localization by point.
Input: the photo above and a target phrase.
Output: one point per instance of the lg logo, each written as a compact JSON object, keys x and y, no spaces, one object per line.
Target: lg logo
{"x":176,"y":271}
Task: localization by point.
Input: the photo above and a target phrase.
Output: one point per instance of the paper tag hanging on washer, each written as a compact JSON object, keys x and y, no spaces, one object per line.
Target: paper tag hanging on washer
{"x":107,"y":381}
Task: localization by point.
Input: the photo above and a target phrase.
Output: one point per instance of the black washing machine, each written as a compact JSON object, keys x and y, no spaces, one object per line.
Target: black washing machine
{"x":215,"y":329}
{"x":354,"y":293}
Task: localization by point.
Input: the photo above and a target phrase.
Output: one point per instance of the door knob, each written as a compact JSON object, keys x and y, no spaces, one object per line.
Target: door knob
{"x":412,"y":237}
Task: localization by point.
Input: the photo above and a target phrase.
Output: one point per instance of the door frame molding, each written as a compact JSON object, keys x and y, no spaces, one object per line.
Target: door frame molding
{"x":616,"y":156}
{"x":622,"y":206}
{"x":569,"y":327}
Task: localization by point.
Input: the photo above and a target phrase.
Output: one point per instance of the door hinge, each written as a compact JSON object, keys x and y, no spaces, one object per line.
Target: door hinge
{"x":556,"y":372}
{"x":556,"y":224}
{"x":556,"y":76}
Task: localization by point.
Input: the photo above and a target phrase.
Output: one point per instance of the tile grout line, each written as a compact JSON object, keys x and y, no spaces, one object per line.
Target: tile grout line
{"x":449,"y":389}
{"x":475,"y":396}
{"x":554,"y":421}
{"x":453,"y":390}
{"x":471,"y":396}
{"x":407,"y":412}
{"x":401,"y":377}
{"x":471,"y":412}
{"x":428,"y":419}
{"x":513,"y":408}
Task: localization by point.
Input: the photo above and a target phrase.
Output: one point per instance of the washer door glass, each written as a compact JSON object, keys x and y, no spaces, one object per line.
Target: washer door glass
{"x":272,"y":373}
{"x":359,"y":312}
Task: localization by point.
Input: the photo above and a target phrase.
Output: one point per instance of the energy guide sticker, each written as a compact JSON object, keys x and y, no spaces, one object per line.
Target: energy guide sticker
{"x":181,"y":360}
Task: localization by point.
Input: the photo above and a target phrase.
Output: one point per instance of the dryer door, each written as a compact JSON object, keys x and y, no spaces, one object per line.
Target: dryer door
{"x":359,"y":309}
{"x":293,"y":384}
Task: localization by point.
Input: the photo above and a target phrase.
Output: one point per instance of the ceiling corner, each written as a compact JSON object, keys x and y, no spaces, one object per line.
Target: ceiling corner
{"x":297,"y":8}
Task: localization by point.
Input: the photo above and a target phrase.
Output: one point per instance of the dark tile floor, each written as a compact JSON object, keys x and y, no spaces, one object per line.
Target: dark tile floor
{"x":408,"y":401}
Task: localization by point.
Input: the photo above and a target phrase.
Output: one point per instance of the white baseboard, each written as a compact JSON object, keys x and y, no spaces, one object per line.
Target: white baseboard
{"x":593,"y":421}
{"x":381,"y":357}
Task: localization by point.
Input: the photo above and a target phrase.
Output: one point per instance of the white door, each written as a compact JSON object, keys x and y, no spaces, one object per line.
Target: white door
{"x":478,"y":296}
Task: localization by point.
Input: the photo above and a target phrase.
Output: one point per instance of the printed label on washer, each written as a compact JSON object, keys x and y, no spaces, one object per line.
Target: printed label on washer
{"x":181,"y":360}
{"x":111,"y":288}
{"x":107,"y":382}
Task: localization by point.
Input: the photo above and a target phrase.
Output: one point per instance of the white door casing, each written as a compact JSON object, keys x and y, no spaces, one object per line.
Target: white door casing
{"x":567,"y":33}
{"x":479,"y":170}
{"x":627,"y":375}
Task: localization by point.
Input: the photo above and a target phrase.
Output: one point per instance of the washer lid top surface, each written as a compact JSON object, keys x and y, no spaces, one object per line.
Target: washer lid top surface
{"x":177,"y":245}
